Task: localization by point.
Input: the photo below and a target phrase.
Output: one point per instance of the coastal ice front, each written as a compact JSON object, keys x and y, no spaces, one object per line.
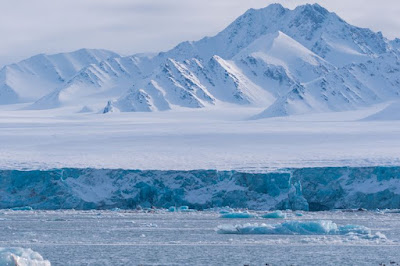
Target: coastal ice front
{"x":313,"y":189}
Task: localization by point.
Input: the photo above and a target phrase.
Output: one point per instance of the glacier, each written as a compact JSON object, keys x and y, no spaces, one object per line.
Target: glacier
{"x":314,"y":189}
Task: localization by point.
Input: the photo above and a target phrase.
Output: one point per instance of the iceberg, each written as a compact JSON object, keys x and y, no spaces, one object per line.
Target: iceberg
{"x":25,"y":208}
{"x":184,"y":208}
{"x":172,"y":209}
{"x":21,"y":257}
{"x":275,"y":215}
{"x":237,"y":215}
{"x":225,"y":211}
{"x":180,"y":209}
{"x":295,"y":228}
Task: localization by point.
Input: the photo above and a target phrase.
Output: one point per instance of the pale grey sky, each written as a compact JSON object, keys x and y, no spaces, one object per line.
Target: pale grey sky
{"x":130,"y":26}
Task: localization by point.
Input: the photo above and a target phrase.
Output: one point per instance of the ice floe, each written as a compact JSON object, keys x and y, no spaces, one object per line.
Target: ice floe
{"x":296,"y":228}
{"x":275,"y":215}
{"x":21,"y":257}
{"x":237,"y":215}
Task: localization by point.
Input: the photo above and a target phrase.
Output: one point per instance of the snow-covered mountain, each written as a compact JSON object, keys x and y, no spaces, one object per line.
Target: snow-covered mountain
{"x":288,"y":61}
{"x":39,"y":75}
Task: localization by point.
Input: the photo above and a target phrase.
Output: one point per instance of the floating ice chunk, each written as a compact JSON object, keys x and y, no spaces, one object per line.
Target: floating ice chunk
{"x":21,"y":257}
{"x":237,"y":215}
{"x":25,"y":208}
{"x":295,"y":228}
{"x":185,"y":209}
{"x":180,"y":209}
{"x":225,"y":211}
{"x":299,"y":214}
{"x":357,"y":229}
{"x":275,"y":215}
{"x":148,"y":225}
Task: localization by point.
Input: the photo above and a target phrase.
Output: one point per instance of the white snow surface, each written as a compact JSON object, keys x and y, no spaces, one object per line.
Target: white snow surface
{"x":214,"y":138}
{"x":391,"y":112}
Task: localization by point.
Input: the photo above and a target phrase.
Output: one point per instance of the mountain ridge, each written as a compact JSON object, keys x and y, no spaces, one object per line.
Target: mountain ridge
{"x":289,"y":61}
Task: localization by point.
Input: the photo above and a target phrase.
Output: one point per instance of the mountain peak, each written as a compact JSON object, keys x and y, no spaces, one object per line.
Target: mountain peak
{"x":313,"y":8}
{"x":307,"y":10}
{"x":270,"y":10}
{"x":311,"y":13}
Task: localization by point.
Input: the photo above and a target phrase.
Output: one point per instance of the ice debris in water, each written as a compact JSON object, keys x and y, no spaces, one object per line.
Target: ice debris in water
{"x":185,"y":209}
{"x":237,"y":215}
{"x":226,"y":210}
{"x":21,"y":257}
{"x":275,"y":215}
{"x":299,"y":214}
{"x":25,"y":208}
{"x":295,"y":228}
{"x":180,"y":209}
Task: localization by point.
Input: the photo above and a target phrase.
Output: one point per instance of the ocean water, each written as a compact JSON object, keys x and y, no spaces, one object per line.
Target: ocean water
{"x":191,"y":238}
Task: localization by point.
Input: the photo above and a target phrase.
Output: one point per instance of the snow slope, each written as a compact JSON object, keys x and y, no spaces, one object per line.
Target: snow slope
{"x":390,"y":112}
{"x":39,"y":75}
{"x":289,"y":62}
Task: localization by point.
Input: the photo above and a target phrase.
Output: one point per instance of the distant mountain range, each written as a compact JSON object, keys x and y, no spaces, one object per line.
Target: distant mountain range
{"x":289,"y":61}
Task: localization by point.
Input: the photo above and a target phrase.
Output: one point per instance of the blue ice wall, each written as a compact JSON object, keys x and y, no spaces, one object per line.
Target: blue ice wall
{"x":344,"y":187}
{"x":297,"y":189}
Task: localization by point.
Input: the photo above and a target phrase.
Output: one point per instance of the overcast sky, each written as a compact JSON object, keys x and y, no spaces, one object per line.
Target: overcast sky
{"x":30,"y":27}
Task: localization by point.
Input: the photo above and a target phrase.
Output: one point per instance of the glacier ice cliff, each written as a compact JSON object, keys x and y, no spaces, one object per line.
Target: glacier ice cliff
{"x":297,"y":189}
